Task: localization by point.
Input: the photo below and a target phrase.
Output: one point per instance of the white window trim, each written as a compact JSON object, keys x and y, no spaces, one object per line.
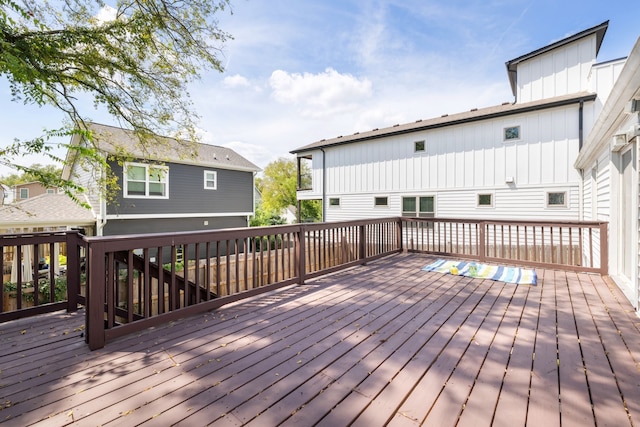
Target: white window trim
{"x":504,"y":134}
{"x":215,"y":180}
{"x":334,"y":206}
{"x":417,"y":197}
{"x":380,"y":206}
{"x":566,"y":199}
{"x":492,"y":205}
{"x":146,"y":187}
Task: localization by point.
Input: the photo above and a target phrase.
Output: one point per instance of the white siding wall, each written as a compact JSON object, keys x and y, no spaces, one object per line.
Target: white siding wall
{"x":88,"y":178}
{"x":471,"y":155}
{"x":562,"y":71}
{"x":458,"y":163}
{"x":603,"y":77}
{"x":603,"y":190}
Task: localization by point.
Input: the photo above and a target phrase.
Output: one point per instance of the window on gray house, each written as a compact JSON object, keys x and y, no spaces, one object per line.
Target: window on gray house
{"x":143,"y":180}
{"x":210,"y":180}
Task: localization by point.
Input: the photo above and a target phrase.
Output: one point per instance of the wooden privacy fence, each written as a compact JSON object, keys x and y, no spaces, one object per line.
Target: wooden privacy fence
{"x":570,"y":245}
{"x":137,"y":281}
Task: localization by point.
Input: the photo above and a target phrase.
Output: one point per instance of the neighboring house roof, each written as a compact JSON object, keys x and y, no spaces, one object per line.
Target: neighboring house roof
{"x":598,"y":30}
{"x":114,"y":140}
{"x":451,"y":120}
{"x":46,"y":210}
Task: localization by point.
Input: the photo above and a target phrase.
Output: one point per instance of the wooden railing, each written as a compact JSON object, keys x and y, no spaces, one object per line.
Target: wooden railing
{"x":138,"y":281}
{"x":39,"y":283}
{"x":570,"y":245}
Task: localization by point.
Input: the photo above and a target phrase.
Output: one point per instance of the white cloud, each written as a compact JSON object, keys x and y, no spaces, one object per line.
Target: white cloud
{"x":321,"y":94}
{"x":256,"y":154}
{"x":236,"y":81}
{"x":106,"y":14}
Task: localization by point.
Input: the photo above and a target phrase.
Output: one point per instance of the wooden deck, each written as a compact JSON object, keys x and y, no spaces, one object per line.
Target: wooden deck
{"x":384,"y":343}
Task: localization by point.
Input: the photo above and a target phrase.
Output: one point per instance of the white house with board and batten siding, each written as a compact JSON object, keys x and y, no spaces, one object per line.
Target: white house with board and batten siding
{"x":513,"y":160}
{"x":609,"y":168}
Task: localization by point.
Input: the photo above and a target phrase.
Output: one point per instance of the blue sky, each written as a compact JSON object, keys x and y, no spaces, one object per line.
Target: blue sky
{"x":298,"y":71}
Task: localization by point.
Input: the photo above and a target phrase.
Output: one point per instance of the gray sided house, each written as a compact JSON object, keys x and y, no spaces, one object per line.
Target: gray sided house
{"x":171,"y":186}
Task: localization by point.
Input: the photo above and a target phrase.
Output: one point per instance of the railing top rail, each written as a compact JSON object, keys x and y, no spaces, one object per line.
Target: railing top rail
{"x":564,"y":223}
{"x":15,"y":239}
{"x":188,"y":237}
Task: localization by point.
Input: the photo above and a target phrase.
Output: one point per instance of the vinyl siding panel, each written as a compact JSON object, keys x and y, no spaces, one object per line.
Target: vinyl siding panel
{"x":88,"y":179}
{"x":471,"y":155}
{"x":563,"y":71}
{"x":603,"y":190}
{"x":143,"y":226}
{"x":525,"y":203}
{"x":187,"y":194}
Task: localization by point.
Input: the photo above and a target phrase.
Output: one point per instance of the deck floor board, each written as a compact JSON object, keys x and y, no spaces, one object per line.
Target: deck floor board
{"x":381,"y":344}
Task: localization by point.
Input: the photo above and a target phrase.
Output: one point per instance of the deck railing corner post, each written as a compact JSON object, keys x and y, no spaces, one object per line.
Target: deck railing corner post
{"x":482,"y":241}
{"x":604,"y":249}
{"x":95,"y":305}
{"x":362,"y":247}
{"x":73,"y":242}
{"x":300,"y":254}
{"x":399,"y":231}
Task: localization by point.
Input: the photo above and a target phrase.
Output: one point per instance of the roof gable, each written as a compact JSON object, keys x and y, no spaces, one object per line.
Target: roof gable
{"x":512,"y":65}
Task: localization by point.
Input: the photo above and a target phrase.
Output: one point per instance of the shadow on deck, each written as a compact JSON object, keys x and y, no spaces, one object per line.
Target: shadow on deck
{"x":384,"y":343}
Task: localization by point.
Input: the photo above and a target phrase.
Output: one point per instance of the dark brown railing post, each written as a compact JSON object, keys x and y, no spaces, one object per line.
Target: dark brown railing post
{"x":95,"y":295}
{"x":604,"y":248}
{"x":362,"y":244}
{"x":300,"y":253}
{"x":482,"y":241}
{"x":73,"y":270}
{"x":399,"y":223}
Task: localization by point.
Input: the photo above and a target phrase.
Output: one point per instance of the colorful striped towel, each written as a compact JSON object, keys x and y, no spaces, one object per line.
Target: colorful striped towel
{"x":520,"y":276}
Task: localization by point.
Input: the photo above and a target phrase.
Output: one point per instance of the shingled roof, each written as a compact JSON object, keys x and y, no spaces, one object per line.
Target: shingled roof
{"x":114,"y":140}
{"x":46,"y":210}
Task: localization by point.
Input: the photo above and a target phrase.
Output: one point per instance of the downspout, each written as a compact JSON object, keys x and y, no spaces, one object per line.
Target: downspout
{"x":324,"y":184}
{"x":101,"y":220}
{"x":580,"y":126}
{"x":581,"y":171}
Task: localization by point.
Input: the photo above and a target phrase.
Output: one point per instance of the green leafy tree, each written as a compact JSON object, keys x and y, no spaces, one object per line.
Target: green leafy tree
{"x":278,"y":188}
{"x":132,"y":58}
{"x":278,"y":185}
{"x":29,"y":176}
{"x":265,"y":218}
